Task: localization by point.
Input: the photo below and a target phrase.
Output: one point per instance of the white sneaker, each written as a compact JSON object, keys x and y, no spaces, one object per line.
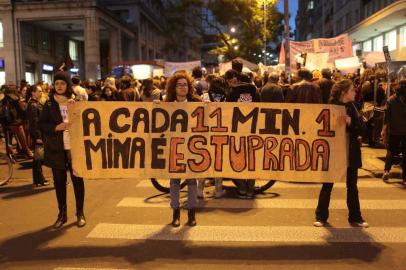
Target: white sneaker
{"x":361,"y":224}
{"x":219,"y":193}
{"x":385,"y":176}
{"x":319,"y":223}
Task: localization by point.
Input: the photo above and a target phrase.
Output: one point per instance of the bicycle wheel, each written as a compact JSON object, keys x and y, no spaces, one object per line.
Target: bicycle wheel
{"x":6,"y":169}
{"x":259,"y":186}
{"x":163,"y":185}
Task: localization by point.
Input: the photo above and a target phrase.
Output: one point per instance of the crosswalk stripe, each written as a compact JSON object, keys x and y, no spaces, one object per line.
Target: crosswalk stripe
{"x":249,"y":233}
{"x":84,"y":268}
{"x":163,"y":202}
{"x":279,"y":184}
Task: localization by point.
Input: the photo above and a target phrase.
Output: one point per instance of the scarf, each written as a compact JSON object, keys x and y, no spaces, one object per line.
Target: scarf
{"x":61,"y":99}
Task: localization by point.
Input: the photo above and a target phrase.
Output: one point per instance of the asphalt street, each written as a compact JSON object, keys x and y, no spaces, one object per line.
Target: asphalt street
{"x":128,"y":227}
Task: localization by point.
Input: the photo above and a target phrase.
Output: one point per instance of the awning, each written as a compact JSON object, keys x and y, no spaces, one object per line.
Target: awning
{"x":382,"y":21}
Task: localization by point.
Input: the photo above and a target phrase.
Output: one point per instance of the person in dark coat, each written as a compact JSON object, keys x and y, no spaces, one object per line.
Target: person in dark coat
{"x":343,"y":93}
{"x":304,"y":91}
{"x":55,"y":127}
{"x":272,"y":92}
{"x":394,"y":130}
{"x":325,"y":84}
{"x":244,"y":91}
{"x":13,"y":118}
{"x":34,"y":108}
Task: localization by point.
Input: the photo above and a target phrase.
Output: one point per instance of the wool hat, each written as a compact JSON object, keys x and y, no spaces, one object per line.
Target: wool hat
{"x":63,"y":76}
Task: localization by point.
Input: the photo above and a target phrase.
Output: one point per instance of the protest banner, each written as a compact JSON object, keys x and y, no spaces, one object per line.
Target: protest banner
{"x":337,"y":47}
{"x":288,"y":142}
{"x":172,"y":67}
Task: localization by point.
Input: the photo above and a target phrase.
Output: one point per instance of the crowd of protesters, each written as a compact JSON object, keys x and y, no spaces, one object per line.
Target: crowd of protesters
{"x":37,"y":117}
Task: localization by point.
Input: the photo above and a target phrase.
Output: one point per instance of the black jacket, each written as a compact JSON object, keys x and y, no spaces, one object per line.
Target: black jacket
{"x":272,"y":92}
{"x":54,"y":153}
{"x":12,"y":112}
{"x":244,"y":92}
{"x":34,"y":109}
{"x":355,"y":130}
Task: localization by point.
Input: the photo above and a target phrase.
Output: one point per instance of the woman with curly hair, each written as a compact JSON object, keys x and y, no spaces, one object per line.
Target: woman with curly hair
{"x":180,"y":89}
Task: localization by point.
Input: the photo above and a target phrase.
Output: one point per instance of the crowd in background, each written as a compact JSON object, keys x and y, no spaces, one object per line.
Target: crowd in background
{"x":21,"y":107}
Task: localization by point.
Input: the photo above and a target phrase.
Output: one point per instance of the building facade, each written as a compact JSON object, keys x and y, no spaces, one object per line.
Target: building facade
{"x":98,"y":34}
{"x":372,"y":24}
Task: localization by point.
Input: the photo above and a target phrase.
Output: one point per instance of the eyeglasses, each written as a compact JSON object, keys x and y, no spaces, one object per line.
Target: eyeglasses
{"x":181,"y":85}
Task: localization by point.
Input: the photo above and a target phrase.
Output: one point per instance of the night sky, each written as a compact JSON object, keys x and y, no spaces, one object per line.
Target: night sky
{"x":293,"y":11}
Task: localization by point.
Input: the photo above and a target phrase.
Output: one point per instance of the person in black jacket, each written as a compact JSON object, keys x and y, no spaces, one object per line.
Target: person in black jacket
{"x":272,"y":92}
{"x":394,"y":130}
{"x":343,"y":93}
{"x":34,"y":108}
{"x":244,"y":91}
{"x":55,"y":127}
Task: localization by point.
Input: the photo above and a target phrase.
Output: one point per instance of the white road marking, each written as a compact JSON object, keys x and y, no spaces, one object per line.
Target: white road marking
{"x":163,"y":202}
{"x":249,"y":233}
{"x":279,"y":184}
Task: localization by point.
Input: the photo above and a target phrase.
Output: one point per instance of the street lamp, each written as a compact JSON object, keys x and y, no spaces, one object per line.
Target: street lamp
{"x":236,"y":47}
{"x":232,"y":29}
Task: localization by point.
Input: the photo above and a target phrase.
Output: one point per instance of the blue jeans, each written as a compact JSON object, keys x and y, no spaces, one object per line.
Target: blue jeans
{"x":191,"y":193}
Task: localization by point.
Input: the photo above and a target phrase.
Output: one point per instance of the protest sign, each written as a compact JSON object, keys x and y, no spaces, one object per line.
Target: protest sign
{"x":288,"y":142}
{"x":337,"y":47}
{"x":316,"y":61}
{"x":347,"y":65}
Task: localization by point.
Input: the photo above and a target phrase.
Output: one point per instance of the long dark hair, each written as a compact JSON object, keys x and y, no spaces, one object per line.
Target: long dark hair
{"x":30,"y":90}
{"x":339,"y":88}
{"x":171,"y":87}
{"x":147,"y":87}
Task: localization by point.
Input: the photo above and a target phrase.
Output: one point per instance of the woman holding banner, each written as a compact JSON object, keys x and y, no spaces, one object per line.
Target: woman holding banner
{"x":343,"y":93}
{"x":180,"y":89}
{"x":55,"y":126}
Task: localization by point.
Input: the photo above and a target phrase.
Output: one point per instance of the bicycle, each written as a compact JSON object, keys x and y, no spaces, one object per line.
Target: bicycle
{"x":6,"y":167}
{"x":163,"y":185}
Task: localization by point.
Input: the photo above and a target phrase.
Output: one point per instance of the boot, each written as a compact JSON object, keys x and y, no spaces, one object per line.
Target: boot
{"x":62,"y":218}
{"x":176,"y":217}
{"x":81,"y":219}
{"x":191,"y":217}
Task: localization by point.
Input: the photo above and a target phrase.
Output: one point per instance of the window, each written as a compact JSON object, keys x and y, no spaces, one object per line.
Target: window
{"x":29,"y":36}
{"x":310,"y":5}
{"x":391,"y":40}
{"x":73,"y":50}
{"x":367,"y":46}
{"x":348,"y":21}
{"x":45,"y":39}
{"x":1,"y":35}
{"x":355,"y":48}
{"x":378,"y":44}
{"x":403,"y":36}
{"x":59,"y":46}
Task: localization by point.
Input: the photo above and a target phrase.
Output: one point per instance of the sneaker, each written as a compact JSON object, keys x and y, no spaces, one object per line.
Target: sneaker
{"x":385,"y":176}
{"x":219,"y":193}
{"x":45,"y":183}
{"x":361,"y":224}
{"x":319,"y":223}
{"x":241,"y":195}
{"x":250,"y":195}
